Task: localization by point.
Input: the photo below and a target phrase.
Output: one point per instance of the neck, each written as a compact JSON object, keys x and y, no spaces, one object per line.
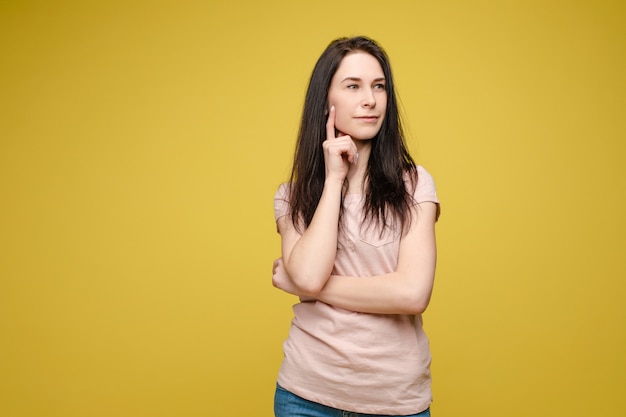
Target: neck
{"x":356,"y":173}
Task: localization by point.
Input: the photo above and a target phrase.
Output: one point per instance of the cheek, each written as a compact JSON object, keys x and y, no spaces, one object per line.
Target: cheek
{"x":342,"y":120}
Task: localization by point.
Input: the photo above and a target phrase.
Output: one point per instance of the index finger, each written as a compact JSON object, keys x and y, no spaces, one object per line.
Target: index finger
{"x":330,"y":124}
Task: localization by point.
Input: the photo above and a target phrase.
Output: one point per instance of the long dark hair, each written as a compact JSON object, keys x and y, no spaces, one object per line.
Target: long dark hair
{"x":387,"y":198}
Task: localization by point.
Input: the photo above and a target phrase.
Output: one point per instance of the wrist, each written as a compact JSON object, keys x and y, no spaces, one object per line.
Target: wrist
{"x":333,"y":183}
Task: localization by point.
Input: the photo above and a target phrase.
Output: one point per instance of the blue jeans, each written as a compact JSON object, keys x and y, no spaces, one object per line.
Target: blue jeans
{"x":287,"y":404}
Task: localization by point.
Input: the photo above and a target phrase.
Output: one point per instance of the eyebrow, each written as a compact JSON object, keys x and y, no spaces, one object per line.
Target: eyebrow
{"x":358,"y":79}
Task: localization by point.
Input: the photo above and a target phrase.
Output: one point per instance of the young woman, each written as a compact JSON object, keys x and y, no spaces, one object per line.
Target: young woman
{"x":357,"y":226}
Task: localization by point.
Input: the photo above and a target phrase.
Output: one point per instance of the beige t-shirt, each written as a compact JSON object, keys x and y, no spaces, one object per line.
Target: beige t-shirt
{"x":367,"y":363}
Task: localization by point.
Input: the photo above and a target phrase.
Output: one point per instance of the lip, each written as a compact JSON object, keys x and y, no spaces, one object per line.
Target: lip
{"x":368,"y":119}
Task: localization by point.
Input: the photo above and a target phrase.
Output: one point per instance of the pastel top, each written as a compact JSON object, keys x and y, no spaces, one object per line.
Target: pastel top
{"x":366,"y":363}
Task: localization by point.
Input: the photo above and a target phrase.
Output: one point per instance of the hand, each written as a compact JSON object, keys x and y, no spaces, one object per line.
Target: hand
{"x":339,"y":151}
{"x":281,"y":280}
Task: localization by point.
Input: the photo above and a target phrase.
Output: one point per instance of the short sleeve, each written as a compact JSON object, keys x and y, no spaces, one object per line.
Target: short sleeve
{"x":426,"y":190}
{"x":281,"y":201}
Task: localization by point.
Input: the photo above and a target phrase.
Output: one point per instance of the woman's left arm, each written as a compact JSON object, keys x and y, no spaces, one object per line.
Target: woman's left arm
{"x":407,"y":290}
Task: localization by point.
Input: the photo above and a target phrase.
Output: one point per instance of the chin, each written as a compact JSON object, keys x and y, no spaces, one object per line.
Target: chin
{"x":361,"y":134}
{"x":363,"y":138}
{"x":359,"y":131}
{"x":365,"y":135}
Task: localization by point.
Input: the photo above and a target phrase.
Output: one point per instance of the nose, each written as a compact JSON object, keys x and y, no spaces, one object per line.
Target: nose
{"x":369,"y":99}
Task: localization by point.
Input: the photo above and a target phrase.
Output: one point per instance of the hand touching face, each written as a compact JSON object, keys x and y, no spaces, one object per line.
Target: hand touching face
{"x":357,"y":91}
{"x":339,"y":150}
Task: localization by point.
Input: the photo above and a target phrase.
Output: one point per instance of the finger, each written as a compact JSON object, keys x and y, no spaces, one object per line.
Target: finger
{"x":344,"y":146}
{"x":339,"y":146}
{"x":330,"y":124}
{"x":355,"y":154}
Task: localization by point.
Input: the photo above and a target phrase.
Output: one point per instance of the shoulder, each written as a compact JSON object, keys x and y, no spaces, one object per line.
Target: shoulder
{"x":281,"y":200}
{"x":283,"y":191}
{"x":425,"y":184}
{"x":421,"y":186}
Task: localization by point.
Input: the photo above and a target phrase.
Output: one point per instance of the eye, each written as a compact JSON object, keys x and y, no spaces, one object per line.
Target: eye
{"x":379,"y":86}
{"x":352,"y":86}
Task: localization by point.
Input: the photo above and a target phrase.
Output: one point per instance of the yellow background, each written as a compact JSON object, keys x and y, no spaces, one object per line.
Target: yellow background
{"x":141,"y":144}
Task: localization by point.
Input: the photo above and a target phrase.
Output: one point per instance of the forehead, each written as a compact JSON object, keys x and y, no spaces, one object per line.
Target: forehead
{"x":359,"y":65}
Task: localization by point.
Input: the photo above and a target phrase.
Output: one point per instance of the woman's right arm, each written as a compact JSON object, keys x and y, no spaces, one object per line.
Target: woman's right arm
{"x":309,"y":258}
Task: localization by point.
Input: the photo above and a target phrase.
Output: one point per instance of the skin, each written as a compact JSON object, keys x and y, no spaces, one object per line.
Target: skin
{"x":307,"y":260}
{"x":357,"y":90}
{"x":357,"y":94}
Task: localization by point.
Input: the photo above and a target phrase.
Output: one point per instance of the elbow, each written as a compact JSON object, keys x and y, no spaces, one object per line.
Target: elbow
{"x":308,"y":285}
{"x":418,"y":306}
{"x":311,"y":285}
{"x":416,"y":301}
{"x":417,"y":293}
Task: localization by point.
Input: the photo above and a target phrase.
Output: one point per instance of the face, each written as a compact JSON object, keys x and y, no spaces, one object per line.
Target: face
{"x":357,"y":90}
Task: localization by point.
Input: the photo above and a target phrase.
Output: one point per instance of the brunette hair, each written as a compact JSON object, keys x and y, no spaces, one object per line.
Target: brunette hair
{"x":387,"y":198}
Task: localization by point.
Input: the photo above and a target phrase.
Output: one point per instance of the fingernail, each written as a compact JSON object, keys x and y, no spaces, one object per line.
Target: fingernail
{"x":332,"y":108}
{"x":356,"y":158}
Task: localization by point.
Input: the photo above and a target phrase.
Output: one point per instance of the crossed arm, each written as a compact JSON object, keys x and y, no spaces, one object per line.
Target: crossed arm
{"x":307,"y":260}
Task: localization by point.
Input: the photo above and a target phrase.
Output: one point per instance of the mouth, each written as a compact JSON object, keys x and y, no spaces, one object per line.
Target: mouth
{"x":367,"y":119}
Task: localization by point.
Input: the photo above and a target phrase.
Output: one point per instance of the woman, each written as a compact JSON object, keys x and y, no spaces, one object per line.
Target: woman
{"x":358,"y":247}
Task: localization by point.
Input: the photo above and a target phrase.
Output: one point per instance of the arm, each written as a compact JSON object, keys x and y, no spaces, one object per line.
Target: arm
{"x":407,"y":290}
{"x":309,"y":258}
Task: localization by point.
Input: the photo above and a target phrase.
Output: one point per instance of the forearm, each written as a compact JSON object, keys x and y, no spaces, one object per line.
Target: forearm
{"x":393,"y":293}
{"x":310,"y":260}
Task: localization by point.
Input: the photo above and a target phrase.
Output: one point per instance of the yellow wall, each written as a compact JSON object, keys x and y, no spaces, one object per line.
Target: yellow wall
{"x":141,"y":144}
